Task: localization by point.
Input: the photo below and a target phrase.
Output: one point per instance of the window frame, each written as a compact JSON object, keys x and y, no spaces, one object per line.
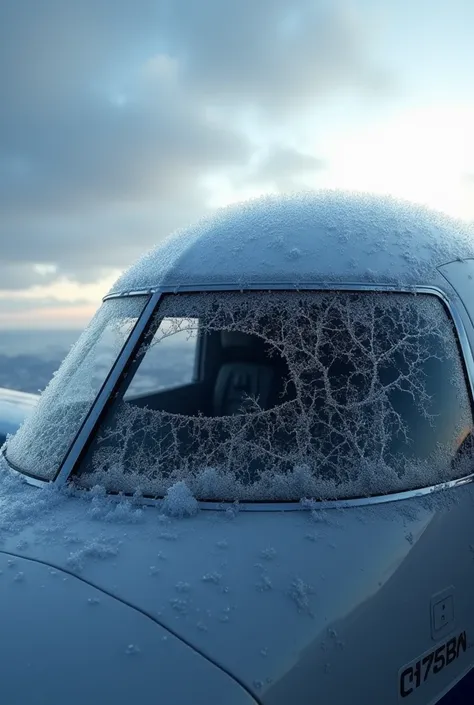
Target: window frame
{"x":123,"y":365}
{"x":464,"y":350}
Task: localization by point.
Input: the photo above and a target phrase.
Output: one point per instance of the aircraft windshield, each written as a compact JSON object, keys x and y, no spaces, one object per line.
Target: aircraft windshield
{"x":280,"y":396}
{"x":41,"y":443}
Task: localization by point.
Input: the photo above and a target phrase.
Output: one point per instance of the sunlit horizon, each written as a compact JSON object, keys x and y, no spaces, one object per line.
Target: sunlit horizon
{"x":101,"y":159}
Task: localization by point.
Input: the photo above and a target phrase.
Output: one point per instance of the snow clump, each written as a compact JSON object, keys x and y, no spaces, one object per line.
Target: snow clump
{"x":179,"y":501}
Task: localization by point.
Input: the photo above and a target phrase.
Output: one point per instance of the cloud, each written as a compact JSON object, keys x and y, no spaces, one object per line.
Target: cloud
{"x":17,"y":274}
{"x":281,"y":168}
{"x":95,"y":151}
{"x":27,"y":304}
{"x":114,"y":113}
{"x":42,"y":312}
{"x":271,"y":53}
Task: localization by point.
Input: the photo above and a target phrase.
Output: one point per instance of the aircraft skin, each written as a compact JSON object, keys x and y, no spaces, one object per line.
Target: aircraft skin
{"x":109,"y":599}
{"x":290,"y":605}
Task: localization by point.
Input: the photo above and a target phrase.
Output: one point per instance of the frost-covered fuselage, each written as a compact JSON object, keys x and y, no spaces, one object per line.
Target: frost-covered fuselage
{"x":286,"y":390}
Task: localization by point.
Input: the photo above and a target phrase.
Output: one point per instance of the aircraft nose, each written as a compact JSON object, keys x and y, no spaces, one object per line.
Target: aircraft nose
{"x":66,"y":641}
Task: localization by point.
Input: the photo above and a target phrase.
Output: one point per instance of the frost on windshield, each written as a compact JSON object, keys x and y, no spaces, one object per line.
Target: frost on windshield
{"x":321,"y":395}
{"x":39,"y":446}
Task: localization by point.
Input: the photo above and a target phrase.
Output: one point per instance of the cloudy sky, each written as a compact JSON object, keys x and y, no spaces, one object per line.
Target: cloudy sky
{"x":121,"y":120}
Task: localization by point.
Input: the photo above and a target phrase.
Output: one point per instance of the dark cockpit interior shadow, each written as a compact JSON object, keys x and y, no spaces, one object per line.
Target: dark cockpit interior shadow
{"x":236,"y":373}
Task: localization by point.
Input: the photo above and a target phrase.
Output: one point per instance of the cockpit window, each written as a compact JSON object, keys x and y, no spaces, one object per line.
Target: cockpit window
{"x":169,"y":365}
{"x":40,"y":445}
{"x":279,"y":396}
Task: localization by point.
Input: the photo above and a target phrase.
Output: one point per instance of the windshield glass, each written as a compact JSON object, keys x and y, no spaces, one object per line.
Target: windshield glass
{"x":40,"y":445}
{"x":280,"y":396}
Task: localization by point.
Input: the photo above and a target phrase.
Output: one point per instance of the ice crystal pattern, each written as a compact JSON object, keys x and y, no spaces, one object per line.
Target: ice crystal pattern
{"x":354,"y":362}
{"x":42,"y":441}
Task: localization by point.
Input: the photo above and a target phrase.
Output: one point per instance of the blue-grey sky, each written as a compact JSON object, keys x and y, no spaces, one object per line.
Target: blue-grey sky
{"x":121,"y":120}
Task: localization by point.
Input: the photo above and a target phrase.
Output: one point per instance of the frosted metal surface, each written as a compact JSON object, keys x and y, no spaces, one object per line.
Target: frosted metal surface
{"x":324,"y":236}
